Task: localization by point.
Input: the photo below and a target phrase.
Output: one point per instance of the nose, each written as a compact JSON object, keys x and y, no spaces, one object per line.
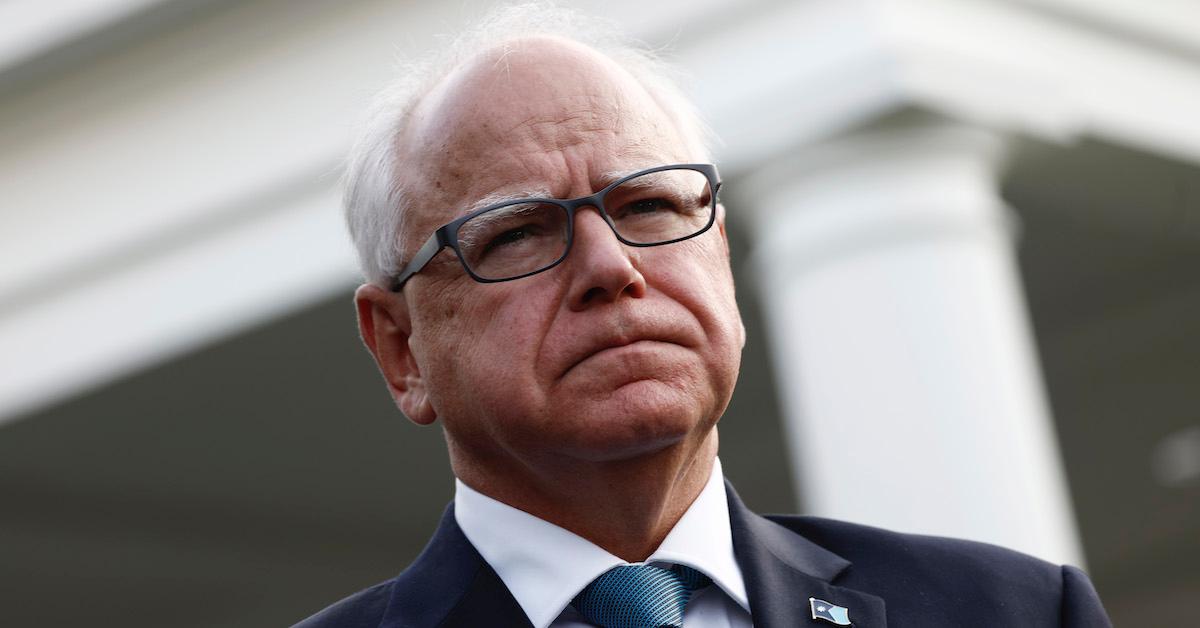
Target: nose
{"x":602,"y":270}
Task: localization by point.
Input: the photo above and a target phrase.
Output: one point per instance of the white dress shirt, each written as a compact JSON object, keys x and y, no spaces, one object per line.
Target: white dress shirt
{"x":545,"y":566}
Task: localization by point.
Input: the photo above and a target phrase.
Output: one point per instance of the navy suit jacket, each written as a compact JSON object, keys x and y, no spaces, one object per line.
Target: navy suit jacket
{"x":882,"y":577}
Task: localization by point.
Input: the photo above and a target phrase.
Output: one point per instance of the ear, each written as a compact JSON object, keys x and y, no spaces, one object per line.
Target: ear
{"x":728,"y":255}
{"x":385,"y":325}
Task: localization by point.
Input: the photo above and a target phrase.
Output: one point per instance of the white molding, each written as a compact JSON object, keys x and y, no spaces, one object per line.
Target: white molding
{"x":30,"y":28}
{"x":1174,"y":23}
{"x":795,"y":73}
{"x":1001,"y":64}
{"x":94,"y":332}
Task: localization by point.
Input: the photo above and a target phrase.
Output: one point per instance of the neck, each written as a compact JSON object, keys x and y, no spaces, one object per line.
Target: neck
{"x":626,"y":507}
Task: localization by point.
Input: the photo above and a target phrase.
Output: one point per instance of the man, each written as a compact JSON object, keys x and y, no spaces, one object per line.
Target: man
{"x":555,"y":289}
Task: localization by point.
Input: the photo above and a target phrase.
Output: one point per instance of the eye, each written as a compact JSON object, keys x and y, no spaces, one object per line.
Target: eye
{"x":649,"y":206}
{"x":510,"y":237}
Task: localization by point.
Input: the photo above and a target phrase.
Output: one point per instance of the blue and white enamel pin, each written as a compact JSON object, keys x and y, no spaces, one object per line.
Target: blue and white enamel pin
{"x":829,"y":612}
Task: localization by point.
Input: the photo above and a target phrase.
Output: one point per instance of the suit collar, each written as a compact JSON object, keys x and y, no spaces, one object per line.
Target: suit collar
{"x":450,"y":585}
{"x":783,"y":570}
{"x":763,"y":536}
{"x":544,"y":566}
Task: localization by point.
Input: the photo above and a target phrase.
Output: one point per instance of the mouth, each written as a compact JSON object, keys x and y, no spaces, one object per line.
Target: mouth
{"x":616,"y":345}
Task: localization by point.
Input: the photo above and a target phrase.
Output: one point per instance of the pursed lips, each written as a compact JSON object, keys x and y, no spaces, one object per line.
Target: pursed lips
{"x":608,"y":344}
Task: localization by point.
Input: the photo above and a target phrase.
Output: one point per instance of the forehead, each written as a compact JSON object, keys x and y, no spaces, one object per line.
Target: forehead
{"x":533,"y":114}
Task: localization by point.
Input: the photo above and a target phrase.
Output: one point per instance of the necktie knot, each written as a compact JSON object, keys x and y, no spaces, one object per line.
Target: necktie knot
{"x":639,"y":596}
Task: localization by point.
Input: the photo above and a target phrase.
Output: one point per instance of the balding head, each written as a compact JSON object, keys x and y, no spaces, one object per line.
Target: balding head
{"x":378,"y":193}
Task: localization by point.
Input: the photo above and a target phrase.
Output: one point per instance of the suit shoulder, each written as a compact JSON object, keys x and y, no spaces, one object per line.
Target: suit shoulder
{"x":955,"y":582}
{"x":361,"y":610}
{"x":862,"y":543}
{"x":932,"y":576}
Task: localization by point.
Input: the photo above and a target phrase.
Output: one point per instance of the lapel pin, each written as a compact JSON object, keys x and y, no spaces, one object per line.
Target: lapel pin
{"x":831,"y":613}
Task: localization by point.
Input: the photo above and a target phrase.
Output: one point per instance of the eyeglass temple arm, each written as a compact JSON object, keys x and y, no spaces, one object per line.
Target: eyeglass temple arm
{"x":432,"y":246}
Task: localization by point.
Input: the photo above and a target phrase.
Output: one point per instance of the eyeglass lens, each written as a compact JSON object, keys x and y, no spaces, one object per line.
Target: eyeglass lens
{"x":522,"y":238}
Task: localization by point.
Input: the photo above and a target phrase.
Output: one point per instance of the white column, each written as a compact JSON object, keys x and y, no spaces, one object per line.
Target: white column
{"x":903,"y":352}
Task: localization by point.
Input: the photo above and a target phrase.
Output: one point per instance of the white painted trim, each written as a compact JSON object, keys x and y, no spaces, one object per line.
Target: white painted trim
{"x":795,"y":73}
{"x":1169,"y":22}
{"x":29,"y":28}
{"x":95,"y":332}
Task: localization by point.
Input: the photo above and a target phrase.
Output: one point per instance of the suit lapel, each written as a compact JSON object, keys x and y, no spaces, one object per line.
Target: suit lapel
{"x":449,"y":586}
{"x":783,"y":570}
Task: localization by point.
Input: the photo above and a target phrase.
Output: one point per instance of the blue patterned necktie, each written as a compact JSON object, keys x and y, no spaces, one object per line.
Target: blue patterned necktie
{"x":639,"y":596}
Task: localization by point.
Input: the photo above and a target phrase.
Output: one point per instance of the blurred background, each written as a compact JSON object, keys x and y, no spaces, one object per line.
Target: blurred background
{"x":966,"y":235}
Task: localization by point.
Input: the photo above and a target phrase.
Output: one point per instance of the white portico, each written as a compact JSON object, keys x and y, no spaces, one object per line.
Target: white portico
{"x":168,"y":174}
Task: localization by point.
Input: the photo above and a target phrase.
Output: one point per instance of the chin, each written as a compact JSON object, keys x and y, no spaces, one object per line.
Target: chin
{"x":639,"y":419}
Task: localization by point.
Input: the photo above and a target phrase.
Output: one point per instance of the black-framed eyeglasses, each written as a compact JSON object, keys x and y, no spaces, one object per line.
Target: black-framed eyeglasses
{"x":521,"y":237}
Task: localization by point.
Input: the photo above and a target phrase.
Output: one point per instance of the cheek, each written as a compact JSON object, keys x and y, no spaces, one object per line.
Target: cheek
{"x":706,"y":284}
{"x":706,"y":289}
{"x":479,"y":350}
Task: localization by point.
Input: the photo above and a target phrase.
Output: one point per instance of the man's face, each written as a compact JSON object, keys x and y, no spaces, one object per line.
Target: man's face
{"x":618,"y":351}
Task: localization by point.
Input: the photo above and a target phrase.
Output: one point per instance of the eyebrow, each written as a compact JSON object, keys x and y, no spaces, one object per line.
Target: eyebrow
{"x":639,"y":182}
{"x":609,"y":177}
{"x":502,"y":197}
{"x":480,"y":224}
{"x":602,"y":182}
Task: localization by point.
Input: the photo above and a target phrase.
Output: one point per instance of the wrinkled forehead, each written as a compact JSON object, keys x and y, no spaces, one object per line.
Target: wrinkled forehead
{"x":540,"y":114}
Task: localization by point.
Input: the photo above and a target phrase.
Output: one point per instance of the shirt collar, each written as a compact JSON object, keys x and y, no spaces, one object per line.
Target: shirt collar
{"x":545,"y":566}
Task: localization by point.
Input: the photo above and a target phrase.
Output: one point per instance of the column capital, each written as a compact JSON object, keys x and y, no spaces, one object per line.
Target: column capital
{"x":891,"y":183}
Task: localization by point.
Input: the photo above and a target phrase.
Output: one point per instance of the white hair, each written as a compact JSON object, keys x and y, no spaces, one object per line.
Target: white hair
{"x":376,"y":200}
